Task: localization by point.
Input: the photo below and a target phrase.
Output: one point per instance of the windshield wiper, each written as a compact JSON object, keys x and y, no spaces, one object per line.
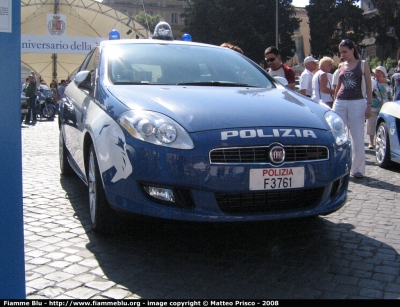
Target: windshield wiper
{"x":132,"y":83}
{"x":215,"y":83}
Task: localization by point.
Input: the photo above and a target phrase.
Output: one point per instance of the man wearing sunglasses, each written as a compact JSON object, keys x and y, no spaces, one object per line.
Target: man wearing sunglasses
{"x":277,"y":68}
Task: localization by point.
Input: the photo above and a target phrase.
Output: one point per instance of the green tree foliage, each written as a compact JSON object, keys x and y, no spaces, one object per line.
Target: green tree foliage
{"x":248,"y":24}
{"x":322,"y":26}
{"x":148,"y":21}
{"x":333,"y":20}
{"x":373,"y":62}
{"x":389,"y":63}
{"x":379,"y":24}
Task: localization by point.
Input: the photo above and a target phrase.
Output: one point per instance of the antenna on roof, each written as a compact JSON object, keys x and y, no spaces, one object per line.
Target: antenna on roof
{"x":145,"y":15}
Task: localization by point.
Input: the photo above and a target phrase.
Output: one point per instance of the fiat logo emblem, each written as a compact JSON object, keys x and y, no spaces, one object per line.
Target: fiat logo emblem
{"x":277,"y":154}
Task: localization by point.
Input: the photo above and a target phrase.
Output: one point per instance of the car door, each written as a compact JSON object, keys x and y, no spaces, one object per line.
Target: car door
{"x":76,"y":104}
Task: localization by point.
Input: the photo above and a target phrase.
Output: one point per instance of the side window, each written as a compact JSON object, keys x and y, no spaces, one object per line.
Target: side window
{"x":93,"y":61}
{"x":85,"y":62}
{"x":93,"y":64}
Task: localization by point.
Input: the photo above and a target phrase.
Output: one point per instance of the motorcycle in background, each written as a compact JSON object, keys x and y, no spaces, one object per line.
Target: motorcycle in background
{"x":45,"y":104}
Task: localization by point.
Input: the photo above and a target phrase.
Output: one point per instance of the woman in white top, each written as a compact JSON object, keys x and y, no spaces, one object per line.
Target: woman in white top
{"x":322,"y":89}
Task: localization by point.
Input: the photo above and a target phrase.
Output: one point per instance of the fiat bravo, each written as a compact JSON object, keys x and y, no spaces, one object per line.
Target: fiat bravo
{"x":188,"y":131}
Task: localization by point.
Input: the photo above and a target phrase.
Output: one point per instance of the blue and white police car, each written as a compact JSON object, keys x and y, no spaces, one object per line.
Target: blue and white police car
{"x":387,"y":137}
{"x":188,"y":131}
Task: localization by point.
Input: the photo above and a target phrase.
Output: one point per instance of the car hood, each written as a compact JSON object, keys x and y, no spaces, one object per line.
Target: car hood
{"x":199,"y":108}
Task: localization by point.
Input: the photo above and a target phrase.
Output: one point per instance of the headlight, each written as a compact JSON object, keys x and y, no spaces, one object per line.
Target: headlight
{"x":155,"y":128}
{"x":338,"y":128}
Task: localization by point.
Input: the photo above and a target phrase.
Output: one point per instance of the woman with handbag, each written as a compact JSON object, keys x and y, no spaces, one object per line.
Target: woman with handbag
{"x":350,"y":103}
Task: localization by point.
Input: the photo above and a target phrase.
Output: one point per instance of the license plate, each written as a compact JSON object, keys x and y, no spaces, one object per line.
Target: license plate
{"x":276,"y":178}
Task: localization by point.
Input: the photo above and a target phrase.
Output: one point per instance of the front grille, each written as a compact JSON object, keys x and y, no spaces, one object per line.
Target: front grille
{"x":271,"y":201}
{"x":261,"y":154}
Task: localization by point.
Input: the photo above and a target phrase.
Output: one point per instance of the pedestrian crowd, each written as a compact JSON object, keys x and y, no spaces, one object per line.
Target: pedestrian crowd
{"x":350,"y":91}
{"x":32,"y":86}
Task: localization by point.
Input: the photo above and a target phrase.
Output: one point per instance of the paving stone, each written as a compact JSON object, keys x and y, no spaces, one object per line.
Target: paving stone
{"x":353,"y":253}
{"x":81,"y":293}
{"x":51,"y":292}
{"x":391,"y":296}
{"x":59,"y":264}
{"x":116,"y":294}
{"x":39,"y":283}
{"x":100,"y":285}
{"x":59,"y":276}
{"x":39,"y":260}
{"x":44,"y":269}
{"x":76,"y":269}
{"x":371,"y":293}
{"x":69,"y":284}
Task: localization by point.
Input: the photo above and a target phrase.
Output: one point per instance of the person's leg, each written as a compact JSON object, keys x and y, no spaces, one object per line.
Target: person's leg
{"x":32,"y":104}
{"x":371,"y":128}
{"x":340,"y":107}
{"x":356,"y":126}
{"x":28,"y":115}
{"x":397,"y":92}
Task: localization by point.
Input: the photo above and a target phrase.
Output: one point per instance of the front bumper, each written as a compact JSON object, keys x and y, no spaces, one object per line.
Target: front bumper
{"x":208,"y":191}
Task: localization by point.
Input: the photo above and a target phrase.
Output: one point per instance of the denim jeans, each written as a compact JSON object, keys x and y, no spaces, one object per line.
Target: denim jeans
{"x":352,"y":113}
{"x":31,"y":110}
{"x":396,"y":94}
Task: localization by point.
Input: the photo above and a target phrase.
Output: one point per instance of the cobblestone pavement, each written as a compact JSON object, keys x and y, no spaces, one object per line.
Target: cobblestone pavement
{"x":351,"y":254}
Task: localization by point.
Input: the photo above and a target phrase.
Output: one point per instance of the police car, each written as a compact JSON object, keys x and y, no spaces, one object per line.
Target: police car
{"x":188,"y":131}
{"x":387,"y":137}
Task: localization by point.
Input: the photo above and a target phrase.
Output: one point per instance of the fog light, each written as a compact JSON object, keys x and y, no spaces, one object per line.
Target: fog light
{"x":160,"y":193}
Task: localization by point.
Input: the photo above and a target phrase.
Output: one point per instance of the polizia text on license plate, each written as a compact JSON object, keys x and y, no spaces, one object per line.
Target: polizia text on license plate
{"x":276,"y":178}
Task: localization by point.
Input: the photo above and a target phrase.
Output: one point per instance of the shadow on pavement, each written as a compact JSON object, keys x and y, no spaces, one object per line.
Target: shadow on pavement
{"x":299,"y":258}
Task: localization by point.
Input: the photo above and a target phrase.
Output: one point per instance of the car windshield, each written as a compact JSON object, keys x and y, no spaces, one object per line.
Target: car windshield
{"x":180,"y":64}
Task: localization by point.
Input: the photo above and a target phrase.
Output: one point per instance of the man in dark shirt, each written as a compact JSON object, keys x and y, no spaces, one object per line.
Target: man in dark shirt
{"x":30,"y":92}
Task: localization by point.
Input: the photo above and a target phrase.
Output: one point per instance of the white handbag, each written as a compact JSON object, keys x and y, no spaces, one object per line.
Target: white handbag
{"x":363,"y":84}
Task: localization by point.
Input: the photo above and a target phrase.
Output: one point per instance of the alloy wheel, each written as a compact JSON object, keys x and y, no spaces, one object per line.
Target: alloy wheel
{"x":92,"y":187}
{"x":380,"y":144}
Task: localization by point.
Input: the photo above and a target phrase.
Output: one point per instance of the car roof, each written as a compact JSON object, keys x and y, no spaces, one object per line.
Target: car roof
{"x":153,"y":41}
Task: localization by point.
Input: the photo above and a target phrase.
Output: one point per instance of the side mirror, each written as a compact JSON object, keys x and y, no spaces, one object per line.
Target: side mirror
{"x":281,"y":80}
{"x":83,"y":80}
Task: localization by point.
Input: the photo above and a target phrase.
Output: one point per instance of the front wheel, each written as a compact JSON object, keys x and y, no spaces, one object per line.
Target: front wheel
{"x":104,"y":219}
{"x":65,"y":168}
{"x":382,"y":146}
{"x":48,"y":111}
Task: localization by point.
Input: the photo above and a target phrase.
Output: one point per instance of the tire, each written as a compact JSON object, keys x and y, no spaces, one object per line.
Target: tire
{"x":382,"y":146}
{"x":65,"y":167}
{"x":104,"y":220}
{"x":48,"y":111}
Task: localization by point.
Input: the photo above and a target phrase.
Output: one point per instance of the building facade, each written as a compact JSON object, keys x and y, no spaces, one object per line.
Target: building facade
{"x":301,"y":38}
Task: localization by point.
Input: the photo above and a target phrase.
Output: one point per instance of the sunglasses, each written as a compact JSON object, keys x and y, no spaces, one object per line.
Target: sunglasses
{"x":347,"y":42}
{"x":270,"y":59}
